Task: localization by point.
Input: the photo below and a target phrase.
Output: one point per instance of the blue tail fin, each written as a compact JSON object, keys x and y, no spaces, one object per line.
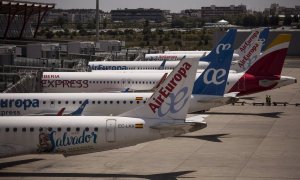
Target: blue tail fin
{"x":264,"y":37}
{"x":79,"y":111}
{"x":225,"y":44}
{"x":213,"y":79}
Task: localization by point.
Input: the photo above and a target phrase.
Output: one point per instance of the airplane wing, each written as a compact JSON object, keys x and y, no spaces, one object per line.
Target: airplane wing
{"x":197,"y":119}
{"x":179,"y":126}
{"x":77,"y":112}
{"x":232,"y":94}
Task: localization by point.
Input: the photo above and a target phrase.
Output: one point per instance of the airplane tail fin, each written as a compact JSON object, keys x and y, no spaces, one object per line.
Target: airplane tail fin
{"x":263,"y":37}
{"x":224,"y":44}
{"x":79,"y":111}
{"x":271,"y":62}
{"x":256,"y":35}
{"x":214,"y":78}
{"x":248,"y":58}
{"x":171,"y":99}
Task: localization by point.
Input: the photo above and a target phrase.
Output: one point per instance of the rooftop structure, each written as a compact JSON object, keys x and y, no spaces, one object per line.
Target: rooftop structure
{"x":275,"y":9}
{"x":15,"y":16}
{"x":156,"y":15}
{"x":219,"y":12}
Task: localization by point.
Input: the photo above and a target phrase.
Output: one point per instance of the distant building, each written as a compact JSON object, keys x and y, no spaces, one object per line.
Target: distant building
{"x":276,"y":10}
{"x":191,"y":13}
{"x":139,"y":14}
{"x":43,"y":50}
{"x":213,"y":11}
{"x":109,"y":45}
{"x":81,"y":47}
{"x":82,"y":16}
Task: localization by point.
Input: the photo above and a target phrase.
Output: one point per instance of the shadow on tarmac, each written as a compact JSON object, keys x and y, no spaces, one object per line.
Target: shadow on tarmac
{"x":270,"y":115}
{"x":248,"y":98}
{"x":19,"y":162}
{"x":211,"y":138}
{"x":171,"y":175}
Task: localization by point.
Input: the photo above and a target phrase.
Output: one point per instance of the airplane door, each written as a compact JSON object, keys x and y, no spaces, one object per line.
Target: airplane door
{"x":52,"y":103}
{"x":241,"y":84}
{"x":110,"y":131}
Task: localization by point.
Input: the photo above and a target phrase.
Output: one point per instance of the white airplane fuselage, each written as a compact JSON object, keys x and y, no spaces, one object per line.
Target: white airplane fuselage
{"x":57,"y":82}
{"x":79,"y":135}
{"x":99,"y":104}
{"x":139,"y":65}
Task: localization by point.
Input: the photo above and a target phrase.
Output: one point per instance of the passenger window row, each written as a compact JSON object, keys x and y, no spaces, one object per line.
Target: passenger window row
{"x":31,"y":129}
{"x":149,"y":68}
{"x":123,"y":82}
{"x":93,"y":102}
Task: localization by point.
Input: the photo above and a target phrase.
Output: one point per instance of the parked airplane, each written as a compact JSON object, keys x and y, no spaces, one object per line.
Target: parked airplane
{"x":69,"y":135}
{"x":206,"y":94}
{"x":249,"y":46}
{"x":264,"y":74}
{"x":153,"y":65}
{"x":16,"y":104}
{"x":256,"y":34}
{"x":156,"y":61}
{"x":141,"y":65}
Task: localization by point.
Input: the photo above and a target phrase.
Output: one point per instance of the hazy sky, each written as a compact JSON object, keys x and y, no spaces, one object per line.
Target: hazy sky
{"x":173,"y":5}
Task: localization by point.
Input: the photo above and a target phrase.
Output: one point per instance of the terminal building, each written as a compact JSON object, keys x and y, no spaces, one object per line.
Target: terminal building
{"x":156,"y":15}
{"x":275,"y":9}
{"x":213,"y":11}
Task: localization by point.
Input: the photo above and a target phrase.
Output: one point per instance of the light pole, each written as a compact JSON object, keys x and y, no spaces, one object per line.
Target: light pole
{"x":97,"y":20}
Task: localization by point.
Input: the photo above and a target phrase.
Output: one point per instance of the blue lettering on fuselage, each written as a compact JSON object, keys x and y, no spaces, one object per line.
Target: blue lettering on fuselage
{"x":19,"y":103}
{"x":102,"y":67}
{"x":69,"y":140}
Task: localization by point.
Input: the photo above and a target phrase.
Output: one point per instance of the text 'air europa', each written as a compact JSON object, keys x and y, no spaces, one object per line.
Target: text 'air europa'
{"x":165,"y":91}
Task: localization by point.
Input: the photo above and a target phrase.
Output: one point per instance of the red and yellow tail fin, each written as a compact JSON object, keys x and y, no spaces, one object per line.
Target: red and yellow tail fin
{"x":271,"y":62}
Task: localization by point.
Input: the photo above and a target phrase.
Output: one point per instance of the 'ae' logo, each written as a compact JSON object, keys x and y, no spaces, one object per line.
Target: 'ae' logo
{"x":213,"y":76}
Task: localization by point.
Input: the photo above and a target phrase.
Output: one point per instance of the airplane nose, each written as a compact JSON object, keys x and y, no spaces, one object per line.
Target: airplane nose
{"x":295,"y":80}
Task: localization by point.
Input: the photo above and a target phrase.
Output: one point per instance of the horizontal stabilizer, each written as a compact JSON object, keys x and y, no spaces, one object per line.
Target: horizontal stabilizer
{"x":197,"y":119}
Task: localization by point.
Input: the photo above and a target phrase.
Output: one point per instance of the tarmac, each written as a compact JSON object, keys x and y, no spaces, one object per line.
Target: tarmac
{"x":239,"y":143}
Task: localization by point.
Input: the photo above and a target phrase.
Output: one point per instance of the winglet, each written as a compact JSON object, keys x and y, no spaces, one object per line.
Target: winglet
{"x":60,"y":112}
{"x":224,"y":44}
{"x":79,"y":111}
{"x":162,"y":66}
{"x":163,"y":78}
{"x":171,"y":99}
